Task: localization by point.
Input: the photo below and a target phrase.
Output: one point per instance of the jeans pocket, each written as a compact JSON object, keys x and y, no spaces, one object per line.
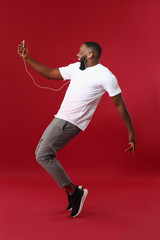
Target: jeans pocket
{"x":64,"y":125}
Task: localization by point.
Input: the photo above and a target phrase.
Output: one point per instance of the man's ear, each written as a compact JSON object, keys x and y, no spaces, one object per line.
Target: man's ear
{"x":91,"y":55}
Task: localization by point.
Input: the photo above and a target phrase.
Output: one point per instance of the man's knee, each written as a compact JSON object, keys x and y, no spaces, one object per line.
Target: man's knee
{"x":43,"y":155}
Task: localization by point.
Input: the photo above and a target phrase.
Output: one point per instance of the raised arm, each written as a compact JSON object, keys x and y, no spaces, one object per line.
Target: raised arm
{"x":121,"y":107}
{"x":38,"y":67}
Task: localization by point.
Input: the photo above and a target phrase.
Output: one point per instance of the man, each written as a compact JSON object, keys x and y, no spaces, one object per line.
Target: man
{"x":89,"y":80}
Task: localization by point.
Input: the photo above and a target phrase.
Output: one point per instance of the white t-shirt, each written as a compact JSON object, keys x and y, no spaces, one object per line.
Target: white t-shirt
{"x":84,"y":92}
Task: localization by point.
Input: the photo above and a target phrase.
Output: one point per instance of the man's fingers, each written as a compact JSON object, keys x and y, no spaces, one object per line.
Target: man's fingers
{"x":131,"y":148}
{"x":133,"y":151}
{"x":128,"y":149}
{"x":21,"y":49}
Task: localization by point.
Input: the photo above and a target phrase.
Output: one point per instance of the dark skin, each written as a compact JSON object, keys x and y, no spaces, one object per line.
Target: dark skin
{"x":88,"y":58}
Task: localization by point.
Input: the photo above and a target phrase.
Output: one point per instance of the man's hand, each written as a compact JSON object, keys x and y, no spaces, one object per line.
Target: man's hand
{"x":22,"y":50}
{"x":132,"y":143}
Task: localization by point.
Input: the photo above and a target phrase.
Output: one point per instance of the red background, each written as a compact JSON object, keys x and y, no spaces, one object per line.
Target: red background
{"x":128,"y":32}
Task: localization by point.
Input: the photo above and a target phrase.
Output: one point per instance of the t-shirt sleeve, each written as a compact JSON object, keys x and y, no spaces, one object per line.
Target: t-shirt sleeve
{"x":65,"y":72}
{"x":110,"y":84}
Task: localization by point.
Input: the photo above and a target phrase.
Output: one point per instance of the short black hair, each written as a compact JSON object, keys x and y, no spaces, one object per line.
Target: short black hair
{"x":95,"y":47}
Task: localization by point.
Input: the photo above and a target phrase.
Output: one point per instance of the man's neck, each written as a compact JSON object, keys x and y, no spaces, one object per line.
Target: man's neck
{"x":91,"y":63}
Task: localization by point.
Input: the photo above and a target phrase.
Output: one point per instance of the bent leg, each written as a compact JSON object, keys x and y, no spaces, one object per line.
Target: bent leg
{"x":55,"y":137}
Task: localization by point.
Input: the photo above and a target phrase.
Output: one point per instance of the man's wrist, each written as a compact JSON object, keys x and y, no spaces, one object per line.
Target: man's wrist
{"x":27,"y":58}
{"x":131,"y":133}
{"x":131,"y":137}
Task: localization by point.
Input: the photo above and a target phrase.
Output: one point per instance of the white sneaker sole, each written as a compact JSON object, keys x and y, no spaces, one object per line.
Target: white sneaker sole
{"x":85,"y":193}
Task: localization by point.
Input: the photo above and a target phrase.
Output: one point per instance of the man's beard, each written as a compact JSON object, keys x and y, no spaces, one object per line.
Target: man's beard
{"x":82,"y":63}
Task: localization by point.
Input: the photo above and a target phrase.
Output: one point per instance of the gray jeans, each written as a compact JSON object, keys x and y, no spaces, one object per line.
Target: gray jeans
{"x":56,"y":136}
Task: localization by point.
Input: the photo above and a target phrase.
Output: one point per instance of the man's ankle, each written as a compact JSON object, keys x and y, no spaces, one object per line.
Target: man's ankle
{"x":70,"y":188}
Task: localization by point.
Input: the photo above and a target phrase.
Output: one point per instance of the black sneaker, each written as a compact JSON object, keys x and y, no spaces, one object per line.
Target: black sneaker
{"x":69,"y":207}
{"x":77,"y":200}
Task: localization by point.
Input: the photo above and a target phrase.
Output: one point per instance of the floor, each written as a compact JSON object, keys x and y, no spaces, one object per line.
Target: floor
{"x":32,"y":207}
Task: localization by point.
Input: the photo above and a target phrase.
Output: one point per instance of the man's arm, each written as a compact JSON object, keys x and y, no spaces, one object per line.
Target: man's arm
{"x":121,"y":107}
{"x":38,"y":67}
